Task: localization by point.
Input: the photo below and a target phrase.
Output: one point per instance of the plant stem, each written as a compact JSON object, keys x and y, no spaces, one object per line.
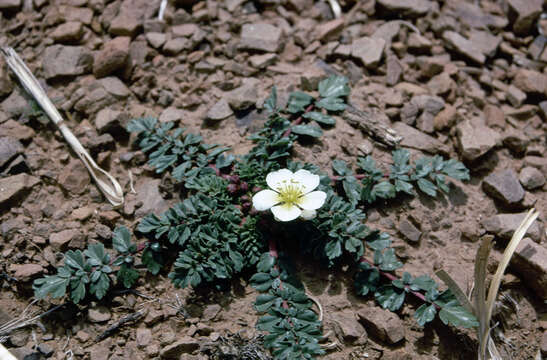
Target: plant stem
{"x":298,"y":120}
{"x":273,"y":252}
{"x":392,"y":277}
{"x":140,"y":247}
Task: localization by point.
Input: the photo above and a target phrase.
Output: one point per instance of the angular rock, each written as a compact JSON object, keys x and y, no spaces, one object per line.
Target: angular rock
{"x":175,"y":46}
{"x":262,"y":61}
{"x":156,"y":40}
{"x":531,"y":178}
{"x":6,"y":85}
{"x":74,"y":177}
{"x":530,"y":81}
{"x":211,"y":312}
{"x":13,"y":129}
{"x":410,"y":8}
{"x":515,"y":96}
{"x":149,"y":195}
{"x":244,"y":96}
{"x":441,"y":84}
{"x":125,"y":24}
{"x":504,"y":186}
{"x":220,"y":111}
{"x":504,"y":225}
{"x":329,"y":29}
{"x":171,"y":114}
{"x":59,"y":241}
{"x":69,"y":32}
{"x":475,"y":140}
{"x":530,"y":261}
{"x":446,"y":118}
{"x":260,"y":36}
{"x":347,"y":327}
{"x":184,"y":30}
{"x":144,"y":337}
{"x":416,"y":139}
{"x":394,"y":71}
{"x":112,"y":57}
{"x":108,"y":120}
{"x":115,"y":87}
{"x":99,"y":352}
{"x":60,"y":61}
{"x":10,"y":4}
{"x":99,"y":314}
{"x":9,"y":149}
{"x":12,"y":187}
{"x":368,"y":50}
{"x":409,"y":231}
{"x":464,"y":46}
{"x":486,"y":42}
{"x":515,"y":141}
{"x":526,"y":13}
{"x":383,"y":324}
{"x":185,"y":345}
{"x":26,"y":272}
{"x":494,"y":116}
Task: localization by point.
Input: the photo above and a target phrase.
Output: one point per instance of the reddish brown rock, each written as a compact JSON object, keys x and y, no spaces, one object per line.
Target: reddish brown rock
{"x":530,"y":81}
{"x":260,"y":36}
{"x":12,"y":187}
{"x":383,"y":324}
{"x":26,"y":272}
{"x":112,"y":57}
{"x":475,"y":139}
{"x":530,"y":261}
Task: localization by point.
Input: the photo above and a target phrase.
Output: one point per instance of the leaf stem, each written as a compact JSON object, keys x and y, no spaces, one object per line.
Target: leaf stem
{"x":273,"y":253}
{"x":392,"y":277}
{"x":298,"y":119}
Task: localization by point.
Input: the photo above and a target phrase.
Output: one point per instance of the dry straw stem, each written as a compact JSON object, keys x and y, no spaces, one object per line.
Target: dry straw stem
{"x":5,"y":354}
{"x":483,"y":306}
{"x":106,"y":182}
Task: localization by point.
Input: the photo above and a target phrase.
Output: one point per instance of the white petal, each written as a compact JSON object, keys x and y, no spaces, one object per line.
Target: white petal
{"x":265,"y":199}
{"x":276,"y":178}
{"x":313,"y":200}
{"x":308,"y":180}
{"x":308,"y":214}
{"x":285,"y":212}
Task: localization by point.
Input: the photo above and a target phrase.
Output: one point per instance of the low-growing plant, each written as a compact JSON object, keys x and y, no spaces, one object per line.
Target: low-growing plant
{"x":237,"y":211}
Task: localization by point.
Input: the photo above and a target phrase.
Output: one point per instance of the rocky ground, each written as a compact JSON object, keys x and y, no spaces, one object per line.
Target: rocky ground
{"x":465,"y":79}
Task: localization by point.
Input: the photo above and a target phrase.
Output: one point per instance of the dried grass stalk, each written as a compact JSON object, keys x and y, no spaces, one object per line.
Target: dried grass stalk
{"x":106,"y":182}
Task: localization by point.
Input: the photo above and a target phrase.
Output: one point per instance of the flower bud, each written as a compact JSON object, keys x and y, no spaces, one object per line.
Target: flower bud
{"x":234,"y":178}
{"x":232,"y":188}
{"x":246,"y":206}
{"x":256,"y":189}
{"x":244,"y":186}
{"x":245,"y":198}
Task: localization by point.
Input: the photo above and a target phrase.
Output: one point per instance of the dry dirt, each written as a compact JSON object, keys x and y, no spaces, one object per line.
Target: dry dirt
{"x":494,"y":80}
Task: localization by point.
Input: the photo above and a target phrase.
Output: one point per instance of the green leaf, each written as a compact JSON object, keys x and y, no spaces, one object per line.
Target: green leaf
{"x":100,"y":286}
{"x":455,"y":314}
{"x":127,"y":276}
{"x":53,"y":285}
{"x":309,"y":130}
{"x":333,"y":249}
{"x":390,"y":297}
{"x":266,"y":263}
{"x":77,"y":290}
{"x":298,"y":101}
{"x":367,"y":279}
{"x":403,"y":186}
{"x":121,"y":240}
{"x":271,"y":102}
{"x":334,"y":86}
{"x":456,"y":170}
{"x":150,"y":260}
{"x":142,"y":124}
{"x":75,"y":259}
{"x":96,"y":254}
{"x":341,"y":168}
{"x":261,"y":281}
{"x":427,"y":187}
{"x":264,"y":302}
{"x":425,"y":313}
{"x":320,"y":118}
{"x":331,"y":104}
{"x":424,"y":283}
{"x":387,"y":260}
{"x":383,"y":190}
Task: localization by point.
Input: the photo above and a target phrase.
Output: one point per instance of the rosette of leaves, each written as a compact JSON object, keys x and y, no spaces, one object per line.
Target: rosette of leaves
{"x":294,"y":330}
{"x":185,"y":155}
{"x":333,"y":93}
{"x":83,"y":273}
{"x":127,"y":249}
{"x":209,"y":238}
{"x":393,"y":294}
{"x":427,"y":174}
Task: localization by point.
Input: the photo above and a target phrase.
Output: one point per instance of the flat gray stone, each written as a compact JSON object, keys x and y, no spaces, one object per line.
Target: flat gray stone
{"x":407,"y":7}
{"x":530,"y":261}
{"x":185,"y":345}
{"x":60,"y":61}
{"x":368,"y":50}
{"x":244,"y":96}
{"x":220,"y":111}
{"x":99,"y":314}
{"x":475,"y":140}
{"x":504,"y":225}
{"x":531,"y":178}
{"x":9,"y":149}
{"x":13,"y":186}
{"x":260,"y":36}
{"x":384,"y":324}
{"x":464,"y":46}
{"x":409,"y":231}
{"x":416,"y":139}
{"x":504,"y":186}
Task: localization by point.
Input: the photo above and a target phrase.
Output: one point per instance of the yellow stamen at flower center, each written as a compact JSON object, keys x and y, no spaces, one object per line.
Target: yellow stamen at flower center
{"x":290,"y":194}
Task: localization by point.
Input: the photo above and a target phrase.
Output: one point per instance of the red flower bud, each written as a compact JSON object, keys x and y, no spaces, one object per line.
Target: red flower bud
{"x":232,"y":188}
{"x":244,"y":186}
{"x":256,"y":189}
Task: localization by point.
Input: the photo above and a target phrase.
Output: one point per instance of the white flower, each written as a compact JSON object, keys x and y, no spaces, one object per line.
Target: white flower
{"x":291,"y":195}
